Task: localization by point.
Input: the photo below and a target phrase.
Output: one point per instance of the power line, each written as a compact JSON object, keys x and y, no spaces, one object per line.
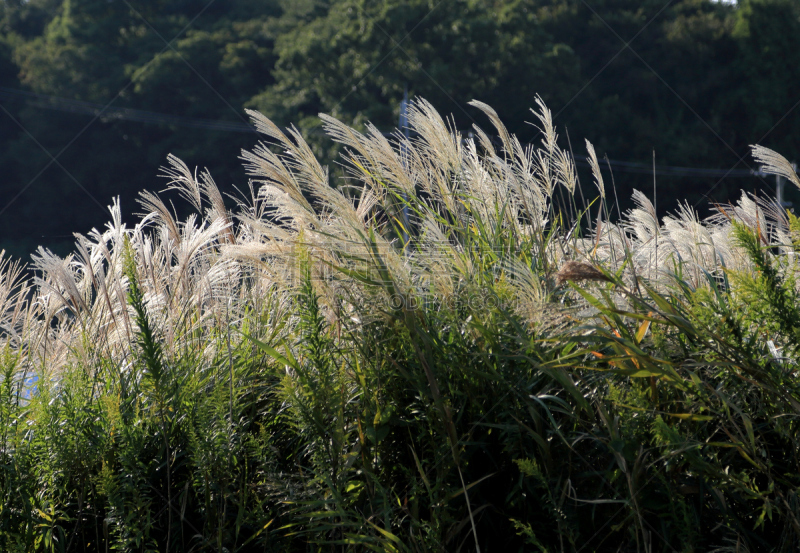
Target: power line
{"x":56,"y":103}
{"x":669,"y":170}
{"x":47,"y":101}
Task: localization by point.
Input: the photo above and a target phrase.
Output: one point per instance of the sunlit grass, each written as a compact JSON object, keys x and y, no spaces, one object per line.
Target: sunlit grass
{"x":447,"y":350}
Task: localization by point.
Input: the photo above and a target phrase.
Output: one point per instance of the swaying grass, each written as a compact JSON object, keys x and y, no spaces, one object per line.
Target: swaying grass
{"x":446,"y":351}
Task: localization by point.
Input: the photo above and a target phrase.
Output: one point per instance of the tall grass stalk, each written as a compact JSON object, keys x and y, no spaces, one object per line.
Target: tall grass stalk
{"x":443,"y":350}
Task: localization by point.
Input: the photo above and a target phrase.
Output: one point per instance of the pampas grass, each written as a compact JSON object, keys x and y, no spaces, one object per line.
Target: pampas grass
{"x":465,"y":199}
{"x":302,"y":330}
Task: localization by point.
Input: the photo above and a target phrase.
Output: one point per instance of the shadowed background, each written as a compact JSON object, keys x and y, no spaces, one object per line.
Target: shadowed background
{"x":96,"y":93}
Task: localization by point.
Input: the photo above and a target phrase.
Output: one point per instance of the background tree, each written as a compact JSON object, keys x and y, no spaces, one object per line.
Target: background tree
{"x":696,"y":81}
{"x":168,"y":57}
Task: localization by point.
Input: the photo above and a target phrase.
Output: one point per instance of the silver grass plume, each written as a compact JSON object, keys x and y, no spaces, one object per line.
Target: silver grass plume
{"x":773,"y":163}
{"x":598,"y":176}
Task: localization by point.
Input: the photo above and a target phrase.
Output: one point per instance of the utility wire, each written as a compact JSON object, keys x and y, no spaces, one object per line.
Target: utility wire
{"x":56,"y":103}
{"x":668,"y":170}
{"x":46,"y":101}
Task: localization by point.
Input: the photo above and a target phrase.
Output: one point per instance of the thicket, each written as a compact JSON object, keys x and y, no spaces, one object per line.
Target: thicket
{"x":430,"y":357}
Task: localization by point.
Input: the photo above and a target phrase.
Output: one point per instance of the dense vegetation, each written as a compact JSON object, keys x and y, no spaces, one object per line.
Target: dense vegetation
{"x":434,"y":357}
{"x":700,"y":81}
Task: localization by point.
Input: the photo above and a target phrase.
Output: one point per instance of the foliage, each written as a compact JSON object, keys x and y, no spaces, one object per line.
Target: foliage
{"x":698,"y":81}
{"x":434,"y":357}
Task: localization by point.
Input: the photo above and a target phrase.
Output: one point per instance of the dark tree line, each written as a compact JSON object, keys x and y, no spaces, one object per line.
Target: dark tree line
{"x":693,"y":80}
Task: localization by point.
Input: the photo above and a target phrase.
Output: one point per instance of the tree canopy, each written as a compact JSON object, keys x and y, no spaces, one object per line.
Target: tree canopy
{"x":694,"y":81}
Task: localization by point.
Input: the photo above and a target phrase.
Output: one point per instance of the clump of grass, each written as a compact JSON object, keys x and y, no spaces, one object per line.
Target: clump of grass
{"x":431,"y":356}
